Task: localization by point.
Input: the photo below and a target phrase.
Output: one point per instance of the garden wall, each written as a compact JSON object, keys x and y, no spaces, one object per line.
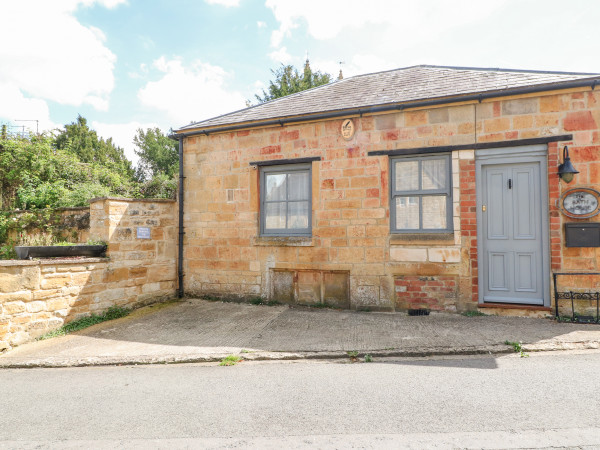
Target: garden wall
{"x":70,"y":224}
{"x":140,"y":268}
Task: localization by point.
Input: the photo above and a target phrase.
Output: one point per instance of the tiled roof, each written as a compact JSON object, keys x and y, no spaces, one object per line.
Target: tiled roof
{"x":392,"y":87}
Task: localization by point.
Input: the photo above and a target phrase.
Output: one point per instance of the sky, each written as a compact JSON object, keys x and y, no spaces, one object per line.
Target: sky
{"x":129,"y":64}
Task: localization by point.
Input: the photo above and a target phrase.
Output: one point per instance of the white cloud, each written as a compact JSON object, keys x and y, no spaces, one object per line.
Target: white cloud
{"x":15,"y":106}
{"x":325,"y":20}
{"x":261,"y":24}
{"x":122,"y":135}
{"x":381,"y":34}
{"x":226,"y":3}
{"x":281,"y":56}
{"x":53,"y":56}
{"x":190,"y":92}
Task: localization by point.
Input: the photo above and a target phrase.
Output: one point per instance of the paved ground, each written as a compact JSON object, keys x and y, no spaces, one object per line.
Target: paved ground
{"x":197,"y":330}
{"x":548,"y":401}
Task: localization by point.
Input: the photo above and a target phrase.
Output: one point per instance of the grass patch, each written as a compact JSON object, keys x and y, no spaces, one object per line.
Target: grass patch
{"x":473,"y":314}
{"x":111,"y":313}
{"x":210,"y":298}
{"x":230,"y":360}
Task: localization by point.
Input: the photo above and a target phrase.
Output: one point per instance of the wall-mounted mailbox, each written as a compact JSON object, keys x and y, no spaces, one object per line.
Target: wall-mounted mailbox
{"x":582,"y":234}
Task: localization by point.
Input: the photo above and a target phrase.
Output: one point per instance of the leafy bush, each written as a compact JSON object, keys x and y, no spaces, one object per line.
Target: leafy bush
{"x":160,"y":186}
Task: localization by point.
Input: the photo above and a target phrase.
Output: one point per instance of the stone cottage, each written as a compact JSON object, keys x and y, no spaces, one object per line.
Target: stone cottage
{"x":425,"y":187}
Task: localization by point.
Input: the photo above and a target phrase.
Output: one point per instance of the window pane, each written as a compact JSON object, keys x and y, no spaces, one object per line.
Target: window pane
{"x":407,"y":176}
{"x":434,"y":173}
{"x":434,"y":212}
{"x":274,"y":216}
{"x":298,"y":186}
{"x":407,"y":213}
{"x":298,"y":215}
{"x":275,"y":189}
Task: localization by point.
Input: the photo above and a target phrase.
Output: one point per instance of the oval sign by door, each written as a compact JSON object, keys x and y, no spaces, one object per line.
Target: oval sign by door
{"x":580,"y":203}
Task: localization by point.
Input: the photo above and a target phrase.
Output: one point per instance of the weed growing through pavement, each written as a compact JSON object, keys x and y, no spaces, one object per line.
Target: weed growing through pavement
{"x":368,"y":358}
{"x":518,"y":347}
{"x":353,"y":354}
{"x":111,"y":313}
{"x":230,"y":360}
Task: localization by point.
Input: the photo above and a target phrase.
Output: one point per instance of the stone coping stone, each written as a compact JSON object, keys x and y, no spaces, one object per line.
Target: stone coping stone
{"x":141,"y":200}
{"x":49,"y":262}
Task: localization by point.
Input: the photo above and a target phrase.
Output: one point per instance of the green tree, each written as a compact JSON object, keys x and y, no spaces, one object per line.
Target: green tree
{"x":158,"y":154}
{"x":289,"y":81}
{"x":80,"y":139}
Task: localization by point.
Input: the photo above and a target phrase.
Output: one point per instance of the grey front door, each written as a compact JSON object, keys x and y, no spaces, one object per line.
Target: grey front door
{"x":511,"y":268}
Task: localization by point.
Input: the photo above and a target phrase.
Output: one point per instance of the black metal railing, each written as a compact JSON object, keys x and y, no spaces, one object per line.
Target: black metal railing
{"x":573,"y":295}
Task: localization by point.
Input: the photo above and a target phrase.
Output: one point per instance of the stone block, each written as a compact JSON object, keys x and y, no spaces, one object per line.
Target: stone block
{"x":385,"y":122}
{"x":408,"y":254}
{"x":448,"y":255}
{"x":56,"y":282}
{"x":23,"y":296}
{"x":34,"y":307}
{"x":11,"y":308}
{"x":520,"y":106}
{"x":57,"y":304}
{"x":438,"y":115}
{"x":19,"y":278}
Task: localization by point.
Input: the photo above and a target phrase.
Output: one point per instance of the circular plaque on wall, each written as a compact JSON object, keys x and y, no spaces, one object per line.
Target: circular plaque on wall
{"x":347,"y":129}
{"x":580,"y":203}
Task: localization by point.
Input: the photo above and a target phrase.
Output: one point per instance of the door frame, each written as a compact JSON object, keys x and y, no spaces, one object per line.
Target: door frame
{"x":514,"y":155}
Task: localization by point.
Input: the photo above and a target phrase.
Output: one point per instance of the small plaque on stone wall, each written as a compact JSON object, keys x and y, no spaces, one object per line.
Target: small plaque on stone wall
{"x":143,"y":233}
{"x":347,"y":129}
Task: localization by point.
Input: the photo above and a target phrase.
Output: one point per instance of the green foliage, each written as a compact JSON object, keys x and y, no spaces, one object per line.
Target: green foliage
{"x":35,"y":172}
{"x":80,"y":140}
{"x":230,"y":360}
{"x":289,"y":81}
{"x":158,"y":154}
{"x":111,"y":313}
{"x":473,"y":314}
{"x":368,"y":358}
{"x":518,"y":348}
{"x":159,"y":186}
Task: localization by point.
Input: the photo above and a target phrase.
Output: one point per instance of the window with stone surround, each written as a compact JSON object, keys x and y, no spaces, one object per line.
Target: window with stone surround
{"x":285,"y":200}
{"x":421,"y":194}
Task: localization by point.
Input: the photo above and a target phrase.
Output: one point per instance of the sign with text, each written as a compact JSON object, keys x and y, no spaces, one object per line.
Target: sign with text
{"x":143,"y":233}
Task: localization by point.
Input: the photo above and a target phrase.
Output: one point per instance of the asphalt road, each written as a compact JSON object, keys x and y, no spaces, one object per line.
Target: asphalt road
{"x":545,"y":400}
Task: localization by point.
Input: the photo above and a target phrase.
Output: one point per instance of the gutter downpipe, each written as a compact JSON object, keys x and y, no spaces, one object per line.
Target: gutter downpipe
{"x":180,"y":292}
{"x":417,"y":104}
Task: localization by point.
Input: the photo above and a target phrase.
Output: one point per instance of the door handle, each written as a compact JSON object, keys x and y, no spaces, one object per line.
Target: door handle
{"x":483,"y":208}
{"x":510,"y":183}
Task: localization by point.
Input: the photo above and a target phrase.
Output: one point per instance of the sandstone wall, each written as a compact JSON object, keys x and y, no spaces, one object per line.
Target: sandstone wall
{"x":224,"y":254}
{"x":41,"y":295}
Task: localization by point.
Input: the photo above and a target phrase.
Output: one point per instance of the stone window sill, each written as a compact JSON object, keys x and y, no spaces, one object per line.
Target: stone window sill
{"x":283,"y":241}
{"x":419,"y":239}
